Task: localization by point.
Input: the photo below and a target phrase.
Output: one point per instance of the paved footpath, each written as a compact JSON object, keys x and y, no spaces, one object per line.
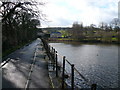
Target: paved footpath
{"x":27,"y":68}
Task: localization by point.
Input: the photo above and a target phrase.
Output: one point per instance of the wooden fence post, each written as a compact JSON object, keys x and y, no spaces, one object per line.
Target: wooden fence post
{"x":63,"y":73}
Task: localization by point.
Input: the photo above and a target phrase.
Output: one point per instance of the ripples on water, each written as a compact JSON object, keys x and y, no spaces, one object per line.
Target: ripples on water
{"x":98,"y":63}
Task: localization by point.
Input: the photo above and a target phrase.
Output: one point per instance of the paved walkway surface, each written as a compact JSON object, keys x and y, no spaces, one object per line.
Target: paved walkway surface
{"x":27,"y":68}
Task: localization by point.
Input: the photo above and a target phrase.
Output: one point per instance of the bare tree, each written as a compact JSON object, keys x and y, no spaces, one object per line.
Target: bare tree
{"x":19,"y":22}
{"x":102,"y":25}
{"x":77,"y":30}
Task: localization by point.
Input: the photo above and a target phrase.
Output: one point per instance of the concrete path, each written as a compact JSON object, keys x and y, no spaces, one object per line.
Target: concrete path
{"x":27,"y":68}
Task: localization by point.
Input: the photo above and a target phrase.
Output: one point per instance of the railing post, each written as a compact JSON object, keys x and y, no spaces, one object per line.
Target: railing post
{"x":54,"y":53}
{"x":93,"y":87}
{"x":49,"y":48}
{"x":49,"y":51}
{"x":52,"y":49}
{"x":53,"y":59}
{"x":63,"y":73}
{"x":56,"y":59}
{"x":72,"y":74}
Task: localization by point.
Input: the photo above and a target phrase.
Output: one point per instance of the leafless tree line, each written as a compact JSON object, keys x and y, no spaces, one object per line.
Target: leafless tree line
{"x":19,"y":22}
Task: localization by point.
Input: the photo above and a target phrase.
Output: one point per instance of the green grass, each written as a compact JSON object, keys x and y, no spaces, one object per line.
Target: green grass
{"x":114,"y":39}
{"x":7,"y":52}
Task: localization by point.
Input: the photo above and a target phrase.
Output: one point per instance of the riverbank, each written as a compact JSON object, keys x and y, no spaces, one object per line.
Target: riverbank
{"x":82,"y":41}
{"x":11,"y":50}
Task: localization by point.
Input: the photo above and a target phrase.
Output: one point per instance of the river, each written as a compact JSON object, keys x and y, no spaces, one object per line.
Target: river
{"x":96,"y":62}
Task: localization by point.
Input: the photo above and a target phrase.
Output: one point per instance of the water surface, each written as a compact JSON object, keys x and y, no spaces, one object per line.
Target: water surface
{"x":97,"y":62}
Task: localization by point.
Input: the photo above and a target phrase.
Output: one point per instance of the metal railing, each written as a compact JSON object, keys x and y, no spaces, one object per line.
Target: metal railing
{"x":53,"y":56}
{"x":4,"y":62}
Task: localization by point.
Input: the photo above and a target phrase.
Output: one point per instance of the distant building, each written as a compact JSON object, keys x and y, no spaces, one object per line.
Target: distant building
{"x":55,"y":35}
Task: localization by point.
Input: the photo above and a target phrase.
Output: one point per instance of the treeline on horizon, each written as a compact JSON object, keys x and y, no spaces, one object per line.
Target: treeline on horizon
{"x":107,"y":33}
{"x":19,"y":24}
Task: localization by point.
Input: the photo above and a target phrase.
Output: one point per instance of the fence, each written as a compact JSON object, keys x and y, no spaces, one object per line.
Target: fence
{"x":61,"y":70}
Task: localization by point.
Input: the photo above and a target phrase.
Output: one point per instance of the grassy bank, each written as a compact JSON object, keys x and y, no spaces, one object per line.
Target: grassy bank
{"x":9,"y":51}
{"x":98,"y":40}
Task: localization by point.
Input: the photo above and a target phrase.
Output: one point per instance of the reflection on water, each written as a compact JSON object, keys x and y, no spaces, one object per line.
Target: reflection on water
{"x":99,"y":62}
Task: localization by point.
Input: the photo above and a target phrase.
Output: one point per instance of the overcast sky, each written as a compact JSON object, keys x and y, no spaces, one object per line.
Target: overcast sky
{"x":65,"y":12}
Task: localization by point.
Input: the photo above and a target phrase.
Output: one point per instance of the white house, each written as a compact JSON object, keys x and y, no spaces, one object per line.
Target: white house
{"x":55,"y":35}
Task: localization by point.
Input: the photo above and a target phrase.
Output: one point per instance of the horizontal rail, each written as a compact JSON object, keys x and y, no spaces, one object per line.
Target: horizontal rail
{"x":52,"y":52}
{"x":87,"y":81}
{"x":68,"y":62}
{"x":76,"y":70}
{"x":5,"y":62}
